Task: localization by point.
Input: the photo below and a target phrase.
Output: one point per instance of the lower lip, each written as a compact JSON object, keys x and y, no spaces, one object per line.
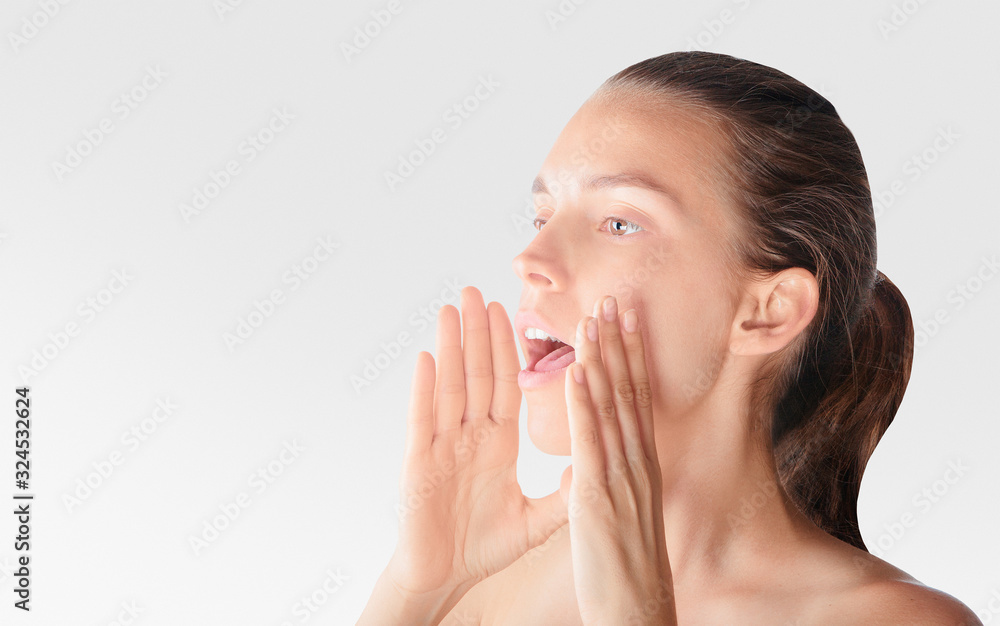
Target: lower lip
{"x":528,"y":379}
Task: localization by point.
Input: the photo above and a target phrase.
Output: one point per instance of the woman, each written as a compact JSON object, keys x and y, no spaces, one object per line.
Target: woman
{"x":706,"y":266}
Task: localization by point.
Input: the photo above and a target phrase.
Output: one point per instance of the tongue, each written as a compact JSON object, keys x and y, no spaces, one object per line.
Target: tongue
{"x":557,"y":359}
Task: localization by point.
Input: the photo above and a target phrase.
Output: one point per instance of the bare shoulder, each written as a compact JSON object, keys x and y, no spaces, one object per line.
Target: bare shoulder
{"x":891,"y":596}
{"x":910,"y":602}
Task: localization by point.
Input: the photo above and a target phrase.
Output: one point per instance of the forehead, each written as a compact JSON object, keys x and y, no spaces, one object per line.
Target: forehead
{"x":665,"y":144}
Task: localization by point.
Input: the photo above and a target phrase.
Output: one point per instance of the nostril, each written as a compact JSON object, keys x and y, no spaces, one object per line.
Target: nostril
{"x":539,"y":279}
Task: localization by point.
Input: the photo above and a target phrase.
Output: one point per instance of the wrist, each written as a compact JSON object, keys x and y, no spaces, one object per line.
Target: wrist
{"x":392,"y":604}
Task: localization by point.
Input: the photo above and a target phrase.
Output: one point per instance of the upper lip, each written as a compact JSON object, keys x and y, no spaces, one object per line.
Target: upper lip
{"x":534,"y":349}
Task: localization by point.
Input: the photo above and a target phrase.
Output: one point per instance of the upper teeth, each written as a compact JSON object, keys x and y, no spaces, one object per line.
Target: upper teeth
{"x":534,"y":333}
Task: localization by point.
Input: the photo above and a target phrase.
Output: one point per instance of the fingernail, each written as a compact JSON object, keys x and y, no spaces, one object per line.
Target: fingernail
{"x":597,"y":308}
{"x":610,"y":309}
{"x":592,"y":329}
{"x":577,"y":373}
{"x":630,"y":320}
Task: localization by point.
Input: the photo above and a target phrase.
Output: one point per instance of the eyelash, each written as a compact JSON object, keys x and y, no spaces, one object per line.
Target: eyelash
{"x":539,"y":222}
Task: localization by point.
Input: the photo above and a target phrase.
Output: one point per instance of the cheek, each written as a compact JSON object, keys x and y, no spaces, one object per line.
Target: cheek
{"x":548,"y":422}
{"x":684,"y":353}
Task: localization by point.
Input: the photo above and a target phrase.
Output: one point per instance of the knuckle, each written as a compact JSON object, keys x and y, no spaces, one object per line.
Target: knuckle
{"x":478,"y":372}
{"x":620,"y":468}
{"x":643,"y":394}
{"x":605,"y":409}
{"x":505,"y":377}
{"x":451,"y":388}
{"x":610,"y":334}
{"x":472,"y":414}
{"x":589,"y":437}
{"x":624,"y":391}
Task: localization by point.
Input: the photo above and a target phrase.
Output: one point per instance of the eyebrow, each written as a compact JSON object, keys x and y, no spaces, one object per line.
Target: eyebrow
{"x":608,"y":181}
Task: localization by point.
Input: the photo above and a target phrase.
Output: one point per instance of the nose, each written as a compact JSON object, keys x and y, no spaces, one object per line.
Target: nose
{"x":539,"y":265}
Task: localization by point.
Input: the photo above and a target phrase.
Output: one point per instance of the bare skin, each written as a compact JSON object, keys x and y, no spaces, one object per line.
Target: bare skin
{"x":475,"y":551}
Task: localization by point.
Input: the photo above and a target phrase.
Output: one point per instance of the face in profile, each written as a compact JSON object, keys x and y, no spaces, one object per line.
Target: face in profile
{"x":626,"y":205}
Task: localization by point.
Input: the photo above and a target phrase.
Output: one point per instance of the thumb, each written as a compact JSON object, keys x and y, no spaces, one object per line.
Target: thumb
{"x":564,"y":484}
{"x":545,"y":516}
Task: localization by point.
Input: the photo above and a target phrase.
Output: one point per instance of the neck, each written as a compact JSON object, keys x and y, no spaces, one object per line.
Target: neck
{"x":724,"y":510}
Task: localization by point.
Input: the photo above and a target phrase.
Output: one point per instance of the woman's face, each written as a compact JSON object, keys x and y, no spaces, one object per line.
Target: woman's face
{"x":605,"y":232}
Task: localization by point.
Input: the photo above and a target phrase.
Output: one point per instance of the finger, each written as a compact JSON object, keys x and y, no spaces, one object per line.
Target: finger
{"x":420,"y":418}
{"x":635,"y":355}
{"x":449,"y":398}
{"x":616,"y":366}
{"x":476,"y":355}
{"x":505,"y":401}
{"x":603,"y":402}
{"x":586,"y":445}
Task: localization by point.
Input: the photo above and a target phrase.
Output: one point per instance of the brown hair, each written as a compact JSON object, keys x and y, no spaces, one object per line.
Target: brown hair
{"x":796,"y":176}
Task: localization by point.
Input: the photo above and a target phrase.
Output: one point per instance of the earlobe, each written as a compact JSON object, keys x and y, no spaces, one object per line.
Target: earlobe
{"x":774,"y":312}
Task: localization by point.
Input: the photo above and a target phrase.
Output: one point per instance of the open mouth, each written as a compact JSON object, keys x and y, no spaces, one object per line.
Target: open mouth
{"x":548,"y":355}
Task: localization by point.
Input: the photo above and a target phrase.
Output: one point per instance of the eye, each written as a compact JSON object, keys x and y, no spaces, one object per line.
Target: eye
{"x":617,"y":222}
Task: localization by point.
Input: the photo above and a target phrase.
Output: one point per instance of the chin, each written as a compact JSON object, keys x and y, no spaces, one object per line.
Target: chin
{"x":548,"y":423}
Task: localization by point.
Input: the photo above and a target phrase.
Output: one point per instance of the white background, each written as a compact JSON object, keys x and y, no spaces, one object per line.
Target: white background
{"x":461,"y":217}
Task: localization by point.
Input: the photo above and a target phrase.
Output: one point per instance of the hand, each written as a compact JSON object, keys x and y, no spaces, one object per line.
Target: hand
{"x":463,"y":515}
{"x":620,"y":565}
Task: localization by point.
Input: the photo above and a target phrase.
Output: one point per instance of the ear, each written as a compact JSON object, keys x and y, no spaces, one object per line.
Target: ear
{"x":774,"y":311}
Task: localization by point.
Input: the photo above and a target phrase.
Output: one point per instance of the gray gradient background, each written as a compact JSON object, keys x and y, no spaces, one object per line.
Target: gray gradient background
{"x":460,"y":217}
